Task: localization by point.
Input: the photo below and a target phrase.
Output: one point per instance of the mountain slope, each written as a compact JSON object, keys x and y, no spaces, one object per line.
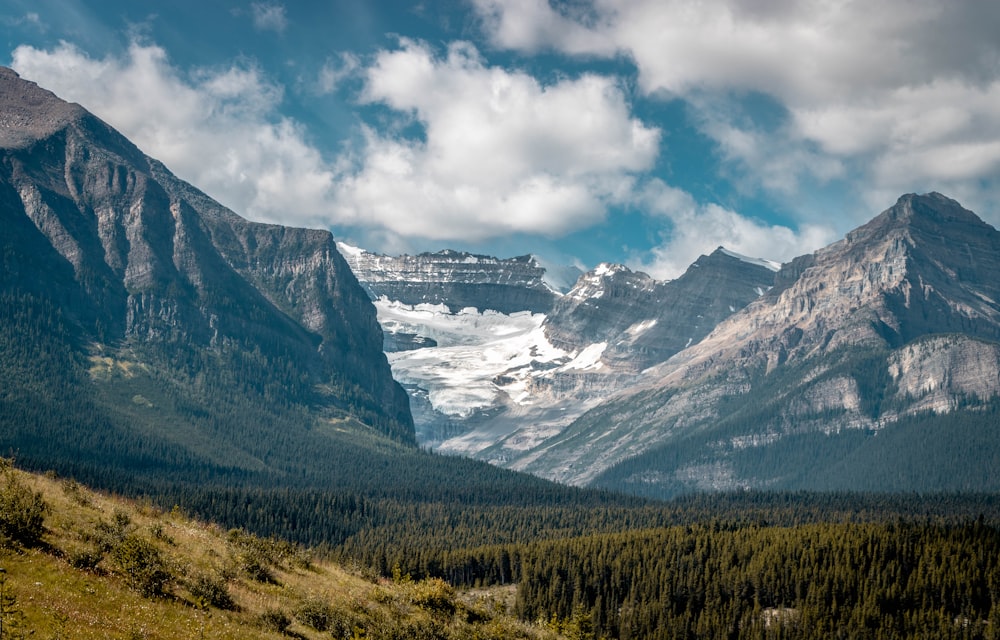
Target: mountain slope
{"x":644,"y":321}
{"x":495,"y":384}
{"x":104,"y":567}
{"x":860,"y":339}
{"x":456,"y":279}
{"x":147,"y":327}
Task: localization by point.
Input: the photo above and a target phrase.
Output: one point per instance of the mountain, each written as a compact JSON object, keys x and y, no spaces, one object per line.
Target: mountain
{"x":493,"y":375}
{"x":455,"y":279}
{"x":644,"y":321}
{"x":144,"y":326}
{"x":871,"y":364}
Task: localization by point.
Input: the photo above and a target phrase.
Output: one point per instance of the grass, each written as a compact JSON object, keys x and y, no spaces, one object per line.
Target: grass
{"x":84,"y":580}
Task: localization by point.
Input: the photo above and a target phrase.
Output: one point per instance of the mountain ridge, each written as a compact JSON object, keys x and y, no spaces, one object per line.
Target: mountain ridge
{"x":193,"y":308}
{"x":864,"y":336}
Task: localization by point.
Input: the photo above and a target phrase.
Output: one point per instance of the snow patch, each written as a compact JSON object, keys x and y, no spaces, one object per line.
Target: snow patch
{"x":640,"y":327}
{"x":348,"y":250}
{"x":760,"y":262}
{"x":478,"y":358}
{"x":588,"y":359}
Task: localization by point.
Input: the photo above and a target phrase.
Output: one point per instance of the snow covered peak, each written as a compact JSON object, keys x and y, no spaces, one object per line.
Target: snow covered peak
{"x":347,"y":250}
{"x":760,"y":262}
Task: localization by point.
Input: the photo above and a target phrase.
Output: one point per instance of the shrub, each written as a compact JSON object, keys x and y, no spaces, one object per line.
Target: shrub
{"x":315,"y":612}
{"x":85,"y":559}
{"x":110,"y":535}
{"x":275,"y":620}
{"x":212,"y":592}
{"x":142,"y":565}
{"x":22,"y":511}
{"x":435,"y":596}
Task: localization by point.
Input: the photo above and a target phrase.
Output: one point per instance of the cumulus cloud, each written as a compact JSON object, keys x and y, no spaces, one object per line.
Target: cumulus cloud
{"x":698,"y":229}
{"x":216,"y":128}
{"x":499,"y":152}
{"x":903,"y":91}
{"x":269,"y":16}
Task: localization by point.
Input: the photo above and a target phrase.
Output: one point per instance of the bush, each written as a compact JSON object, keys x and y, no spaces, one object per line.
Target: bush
{"x":111,"y":535}
{"x":212,"y":592}
{"x":85,"y":559}
{"x":315,"y":612}
{"x":435,"y":596}
{"x":142,"y":565}
{"x":275,"y":620}
{"x":22,"y":511}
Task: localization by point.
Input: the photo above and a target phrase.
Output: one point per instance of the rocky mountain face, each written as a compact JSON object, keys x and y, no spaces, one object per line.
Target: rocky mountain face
{"x":644,"y":321}
{"x":455,"y":279}
{"x":890,"y":331}
{"x":495,"y":375}
{"x":149,"y":279}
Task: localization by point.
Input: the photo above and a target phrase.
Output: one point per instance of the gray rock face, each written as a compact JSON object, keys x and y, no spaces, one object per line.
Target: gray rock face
{"x":897,"y":319}
{"x":496,"y":385}
{"x":924,"y":266}
{"x":456,"y":279}
{"x":143,"y":260}
{"x":645,"y":321}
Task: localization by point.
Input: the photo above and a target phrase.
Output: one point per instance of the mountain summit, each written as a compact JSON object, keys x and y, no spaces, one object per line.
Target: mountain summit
{"x":871,"y":364}
{"x":139,"y":311}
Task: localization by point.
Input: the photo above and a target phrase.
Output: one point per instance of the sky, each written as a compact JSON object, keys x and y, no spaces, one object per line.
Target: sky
{"x":643,"y":132}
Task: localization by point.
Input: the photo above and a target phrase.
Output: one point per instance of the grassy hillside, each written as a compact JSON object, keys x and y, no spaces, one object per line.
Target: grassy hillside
{"x":78,"y":564}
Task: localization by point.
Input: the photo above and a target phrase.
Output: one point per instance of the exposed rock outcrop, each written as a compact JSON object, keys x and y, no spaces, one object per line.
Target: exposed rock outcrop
{"x":141,"y":260}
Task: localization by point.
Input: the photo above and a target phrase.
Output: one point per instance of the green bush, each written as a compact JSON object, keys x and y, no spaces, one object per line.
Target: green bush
{"x":435,"y":596}
{"x":212,"y":592}
{"x":110,"y":535}
{"x":85,"y":559}
{"x":275,"y":620}
{"x":22,"y":511}
{"x":315,"y":612}
{"x":142,"y":565}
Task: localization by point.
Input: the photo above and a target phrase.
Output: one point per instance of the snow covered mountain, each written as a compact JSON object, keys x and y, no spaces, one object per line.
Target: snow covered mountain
{"x":494,"y":368}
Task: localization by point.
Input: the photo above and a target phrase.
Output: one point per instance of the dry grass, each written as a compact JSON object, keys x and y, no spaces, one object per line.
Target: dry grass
{"x":60,"y":595}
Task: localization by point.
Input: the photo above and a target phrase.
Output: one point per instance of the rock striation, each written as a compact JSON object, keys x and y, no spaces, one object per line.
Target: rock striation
{"x":143,"y":265}
{"x":645,"y":321}
{"x":458,"y":280}
{"x":896,"y":322}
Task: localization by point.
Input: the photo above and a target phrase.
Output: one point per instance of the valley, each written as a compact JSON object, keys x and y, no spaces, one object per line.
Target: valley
{"x":452,"y":445}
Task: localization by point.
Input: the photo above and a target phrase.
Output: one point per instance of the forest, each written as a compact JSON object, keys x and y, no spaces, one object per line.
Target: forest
{"x":591,"y":563}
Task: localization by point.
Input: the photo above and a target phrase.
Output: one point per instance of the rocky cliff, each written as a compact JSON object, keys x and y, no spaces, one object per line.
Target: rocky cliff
{"x":896,"y":320}
{"x":455,"y":279}
{"x":143,"y":268}
{"x":644,"y":321}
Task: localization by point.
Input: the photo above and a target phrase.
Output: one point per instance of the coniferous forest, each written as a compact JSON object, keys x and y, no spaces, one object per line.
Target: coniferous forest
{"x":589,"y":563}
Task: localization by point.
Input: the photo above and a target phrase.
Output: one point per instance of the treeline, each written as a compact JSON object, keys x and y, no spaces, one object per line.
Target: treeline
{"x":474,"y":538}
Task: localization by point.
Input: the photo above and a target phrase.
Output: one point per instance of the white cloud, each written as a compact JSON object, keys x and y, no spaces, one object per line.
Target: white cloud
{"x":902,"y":91}
{"x":269,"y":16}
{"x":217,"y":128}
{"x":699,"y":229}
{"x":336,"y":71}
{"x":500,"y":152}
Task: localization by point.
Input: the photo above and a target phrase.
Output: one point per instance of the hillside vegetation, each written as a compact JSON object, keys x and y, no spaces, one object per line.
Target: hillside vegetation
{"x":79,"y":564}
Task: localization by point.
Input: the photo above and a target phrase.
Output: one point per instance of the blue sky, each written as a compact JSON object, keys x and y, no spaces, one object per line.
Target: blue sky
{"x":645,"y":132}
